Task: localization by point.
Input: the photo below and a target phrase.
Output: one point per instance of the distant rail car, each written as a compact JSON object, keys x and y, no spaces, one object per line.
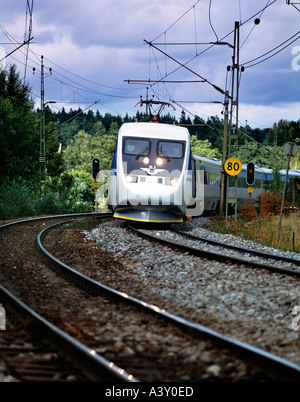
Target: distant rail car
{"x":155,"y":178}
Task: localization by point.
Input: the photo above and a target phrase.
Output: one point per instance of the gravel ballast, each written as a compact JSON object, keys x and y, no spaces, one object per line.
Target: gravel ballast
{"x":252,"y":305}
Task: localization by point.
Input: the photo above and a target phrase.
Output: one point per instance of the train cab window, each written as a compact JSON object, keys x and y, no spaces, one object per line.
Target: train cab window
{"x":136,"y":146}
{"x":170,"y":149}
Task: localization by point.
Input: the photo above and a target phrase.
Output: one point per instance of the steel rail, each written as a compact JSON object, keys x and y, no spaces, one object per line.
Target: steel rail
{"x":287,"y":370}
{"x":85,"y":214}
{"x":214,"y":256}
{"x":238,"y":248}
{"x":96,"y":367}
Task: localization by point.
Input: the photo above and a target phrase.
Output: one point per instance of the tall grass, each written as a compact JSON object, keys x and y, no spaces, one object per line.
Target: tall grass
{"x":289,"y":238}
{"x":263,"y":228}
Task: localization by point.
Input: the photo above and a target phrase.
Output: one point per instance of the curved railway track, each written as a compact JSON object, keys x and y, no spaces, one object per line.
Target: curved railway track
{"x":271,"y":362}
{"x":93,"y":366}
{"x":273,"y":365}
{"x":195,"y":247}
{"x":253,"y":252}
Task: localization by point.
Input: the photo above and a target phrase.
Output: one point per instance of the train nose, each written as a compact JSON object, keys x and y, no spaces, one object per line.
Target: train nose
{"x":147,"y":215}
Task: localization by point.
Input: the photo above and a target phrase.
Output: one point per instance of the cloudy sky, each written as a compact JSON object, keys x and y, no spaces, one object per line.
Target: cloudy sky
{"x":93,"y":46}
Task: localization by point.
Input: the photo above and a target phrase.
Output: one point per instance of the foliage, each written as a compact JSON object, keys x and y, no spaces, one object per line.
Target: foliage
{"x":263,"y":228}
{"x":19,"y":135}
{"x":67,"y":202}
{"x":264,"y":232}
{"x":84,"y":147}
{"x":74,"y":137}
{"x":270,"y":204}
{"x":204,"y":148}
{"x":17,"y":199}
{"x":248,"y":230}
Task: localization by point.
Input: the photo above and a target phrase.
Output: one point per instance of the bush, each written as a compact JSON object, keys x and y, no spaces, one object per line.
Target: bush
{"x":263,"y":230}
{"x":67,"y":202}
{"x":270,"y":205}
{"x":16,"y":200}
{"x":248,"y":210}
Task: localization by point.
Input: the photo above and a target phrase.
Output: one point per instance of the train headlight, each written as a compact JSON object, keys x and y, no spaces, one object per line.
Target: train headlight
{"x":144,"y":159}
{"x":173,"y":182}
{"x":130,"y":179}
{"x":160,"y":161}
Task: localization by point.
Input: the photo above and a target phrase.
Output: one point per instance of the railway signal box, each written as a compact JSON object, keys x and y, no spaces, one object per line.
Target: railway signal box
{"x":250,"y":178}
{"x":95,"y":167}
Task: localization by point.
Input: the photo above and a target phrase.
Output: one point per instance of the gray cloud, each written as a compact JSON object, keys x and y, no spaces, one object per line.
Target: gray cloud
{"x":102,"y":42}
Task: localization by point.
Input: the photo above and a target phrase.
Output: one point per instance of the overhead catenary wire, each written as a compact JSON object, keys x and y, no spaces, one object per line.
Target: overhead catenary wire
{"x":210,"y":23}
{"x":259,"y":16}
{"x":76,"y":86}
{"x":212,"y":44}
{"x":29,"y":9}
{"x":175,"y":22}
{"x":272,"y":50}
{"x":183,"y":65}
{"x":64,"y":80}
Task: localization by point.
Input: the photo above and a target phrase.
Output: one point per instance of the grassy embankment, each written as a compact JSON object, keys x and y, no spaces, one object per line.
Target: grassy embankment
{"x":263,"y":227}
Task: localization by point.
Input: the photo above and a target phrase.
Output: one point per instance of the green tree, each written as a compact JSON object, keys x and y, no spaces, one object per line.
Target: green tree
{"x":84,"y":147}
{"x":280,"y":133}
{"x":98,"y":129}
{"x":204,"y":148}
{"x":19,"y":129}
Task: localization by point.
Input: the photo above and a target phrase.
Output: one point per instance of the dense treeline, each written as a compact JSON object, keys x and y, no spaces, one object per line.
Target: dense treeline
{"x":255,"y":144}
{"x":74,"y":137}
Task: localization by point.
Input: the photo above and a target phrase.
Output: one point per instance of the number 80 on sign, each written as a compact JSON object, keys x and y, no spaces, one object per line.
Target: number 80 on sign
{"x":233,"y":166}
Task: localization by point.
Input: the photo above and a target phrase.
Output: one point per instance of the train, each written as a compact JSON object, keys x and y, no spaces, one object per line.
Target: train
{"x":154,"y":176}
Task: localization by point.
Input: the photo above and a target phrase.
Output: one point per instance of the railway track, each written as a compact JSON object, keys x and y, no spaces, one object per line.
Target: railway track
{"x":257,"y":253}
{"x":273,"y":365}
{"x":23,"y":359}
{"x":60,"y":358}
{"x":68,"y":355}
{"x":262,"y":358}
{"x":196,"y":245}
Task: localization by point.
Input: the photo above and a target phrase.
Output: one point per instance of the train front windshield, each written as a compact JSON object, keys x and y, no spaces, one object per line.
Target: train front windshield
{"x":136,"y":147}
{"x":165,"y":155}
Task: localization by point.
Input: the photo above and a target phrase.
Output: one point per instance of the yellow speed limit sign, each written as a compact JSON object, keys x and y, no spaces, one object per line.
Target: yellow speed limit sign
{"x":233,"y":166}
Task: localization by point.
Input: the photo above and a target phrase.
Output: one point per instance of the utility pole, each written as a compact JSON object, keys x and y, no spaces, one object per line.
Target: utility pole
{"x":295,"y":4}
{"x":290,"y":149}
{"x":233,"y":136}
{"x":42,"y":157}
{"x":224,"y":156}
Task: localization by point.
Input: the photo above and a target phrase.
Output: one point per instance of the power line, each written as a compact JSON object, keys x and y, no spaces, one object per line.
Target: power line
{"x":30,"y":10}
{"x":272,"y":50}
{"x":85,"y":79}
{"x":209,"y":18}
{"x":175,"y":22}
{"x":183,"y":65}
{"x":212,"y":44}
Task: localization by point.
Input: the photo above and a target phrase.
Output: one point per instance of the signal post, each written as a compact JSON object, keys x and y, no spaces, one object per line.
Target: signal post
{"x":232,"y":167}
{"x":95,"y":171}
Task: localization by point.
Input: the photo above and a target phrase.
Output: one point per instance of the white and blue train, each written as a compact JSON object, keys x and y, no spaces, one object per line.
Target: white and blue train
{"x":155,"y":178}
